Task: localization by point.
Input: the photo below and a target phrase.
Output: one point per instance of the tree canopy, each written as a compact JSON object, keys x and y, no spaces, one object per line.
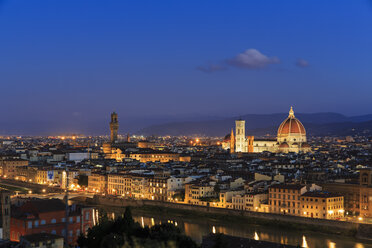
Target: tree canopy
{"x":123,"y":232}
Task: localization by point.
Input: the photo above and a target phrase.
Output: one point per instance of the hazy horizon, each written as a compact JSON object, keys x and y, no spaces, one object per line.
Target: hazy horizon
{"x":100,"y":125}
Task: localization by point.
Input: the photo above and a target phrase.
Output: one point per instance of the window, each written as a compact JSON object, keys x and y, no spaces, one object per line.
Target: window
{"x":71,"y":219}
{"x":53,"y":232}
{"x":63,"y":219}
{"x":29,"y":224}
{"x":87,"y":216}
{"x":53,"y":221}
{"x":36,"y":223}
{"x":77,"y":219}
{"x":42,"y":222}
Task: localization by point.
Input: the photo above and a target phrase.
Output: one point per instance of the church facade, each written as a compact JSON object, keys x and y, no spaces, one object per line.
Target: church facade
{"x":291,"y":137}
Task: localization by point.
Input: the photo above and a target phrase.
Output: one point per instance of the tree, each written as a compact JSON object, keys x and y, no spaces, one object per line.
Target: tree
{"x":217,"y":188}
{"x":124,"y":232}
{"x":83,"y":180}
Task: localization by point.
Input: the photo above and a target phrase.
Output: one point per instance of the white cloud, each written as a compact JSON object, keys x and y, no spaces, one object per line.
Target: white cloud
{"x":252,"y":59}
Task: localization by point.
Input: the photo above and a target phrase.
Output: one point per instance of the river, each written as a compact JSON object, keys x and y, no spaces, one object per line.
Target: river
{"x":196,"y":229}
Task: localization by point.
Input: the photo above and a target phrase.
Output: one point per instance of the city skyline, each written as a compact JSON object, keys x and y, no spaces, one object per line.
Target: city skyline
{"x":195,"y":124}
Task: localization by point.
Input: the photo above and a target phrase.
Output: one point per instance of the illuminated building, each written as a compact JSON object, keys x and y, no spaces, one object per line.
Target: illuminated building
{"x":139,"y":187}
{"x":291,"y":137}
{"x":240,"y":139}
{"x":325,"y":205}
{"x":195,"y":191}
{"x":97,"y":183}
{"x":119,"y":184}
{"x":41,"y":215}
{"x":9,"y":166}
{"x":157,"y":188}
{"x":114,"y":126}
{"x":286,"y":198}
{"x":356,"y":196}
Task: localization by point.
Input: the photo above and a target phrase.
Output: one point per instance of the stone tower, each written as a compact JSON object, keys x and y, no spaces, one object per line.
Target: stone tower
{"x":114,"y":126}
{"x":232,"y":141}
{"x":250,"y":140}
{"x":240,"y":140}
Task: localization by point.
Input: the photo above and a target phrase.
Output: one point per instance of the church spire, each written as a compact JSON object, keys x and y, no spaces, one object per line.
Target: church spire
{"x":291,"y":113}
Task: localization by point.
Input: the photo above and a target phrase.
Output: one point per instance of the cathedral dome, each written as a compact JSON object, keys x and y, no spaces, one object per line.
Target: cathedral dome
{"x":291,"y":125}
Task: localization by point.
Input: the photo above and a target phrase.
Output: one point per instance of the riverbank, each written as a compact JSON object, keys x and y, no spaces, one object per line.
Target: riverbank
{"x":197,"y":223}
{"x":238,"y":219}
{"x":351,"y":229}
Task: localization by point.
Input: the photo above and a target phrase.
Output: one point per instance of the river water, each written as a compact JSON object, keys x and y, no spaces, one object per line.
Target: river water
{"x":196,"y":229}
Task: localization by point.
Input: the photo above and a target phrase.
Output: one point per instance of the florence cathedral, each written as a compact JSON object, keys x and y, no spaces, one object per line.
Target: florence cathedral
{"x":291,"y":137}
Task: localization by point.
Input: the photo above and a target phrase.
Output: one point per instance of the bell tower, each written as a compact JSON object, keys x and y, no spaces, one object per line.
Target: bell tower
{"x":114,"y":126}
{"x":240,"y":139}
{"x":232,"y":141}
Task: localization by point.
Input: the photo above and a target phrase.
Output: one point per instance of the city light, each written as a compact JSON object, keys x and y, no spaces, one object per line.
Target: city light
{"x":254,"y":118}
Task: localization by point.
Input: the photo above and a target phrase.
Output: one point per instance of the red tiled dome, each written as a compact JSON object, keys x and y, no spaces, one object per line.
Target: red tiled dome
{"x":291,"y":126}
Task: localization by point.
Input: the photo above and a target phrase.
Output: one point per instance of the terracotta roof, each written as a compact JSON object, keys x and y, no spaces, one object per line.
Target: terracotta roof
{"x":290,"y":126}
{"x":43,"y":206}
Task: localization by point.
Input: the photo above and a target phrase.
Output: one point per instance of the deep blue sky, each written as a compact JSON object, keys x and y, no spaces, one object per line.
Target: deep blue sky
{"x":75,"y":61}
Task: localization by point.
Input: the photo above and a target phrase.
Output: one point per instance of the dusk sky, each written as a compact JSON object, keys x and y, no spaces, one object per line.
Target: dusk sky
{"x":75,"y":61}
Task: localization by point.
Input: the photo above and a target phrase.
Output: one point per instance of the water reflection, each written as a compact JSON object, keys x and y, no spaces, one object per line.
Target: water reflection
{"x":359,"y":246}
{"x":304,"y":242}
{"x":196,"y":229}
{"x":331,"y":244}
{"x":152,"y":222}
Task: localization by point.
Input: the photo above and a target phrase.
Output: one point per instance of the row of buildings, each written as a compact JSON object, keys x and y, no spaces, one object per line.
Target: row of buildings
{"x":30,"y":217}
{"x":332,"y":180}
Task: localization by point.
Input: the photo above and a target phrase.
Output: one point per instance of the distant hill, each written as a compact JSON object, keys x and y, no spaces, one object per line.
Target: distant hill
{"x":261,"y":125}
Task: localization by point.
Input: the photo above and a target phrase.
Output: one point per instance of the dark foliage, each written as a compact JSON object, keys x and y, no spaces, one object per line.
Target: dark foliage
{"x":83,"y":180}
{"x":124,"y":232}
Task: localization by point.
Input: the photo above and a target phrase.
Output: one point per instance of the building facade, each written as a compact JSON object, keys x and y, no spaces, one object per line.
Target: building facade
{"x":49,"y":216}
{"x":5,"y":214}
{"x":323,"y":205}
{"x":291,"y":137}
